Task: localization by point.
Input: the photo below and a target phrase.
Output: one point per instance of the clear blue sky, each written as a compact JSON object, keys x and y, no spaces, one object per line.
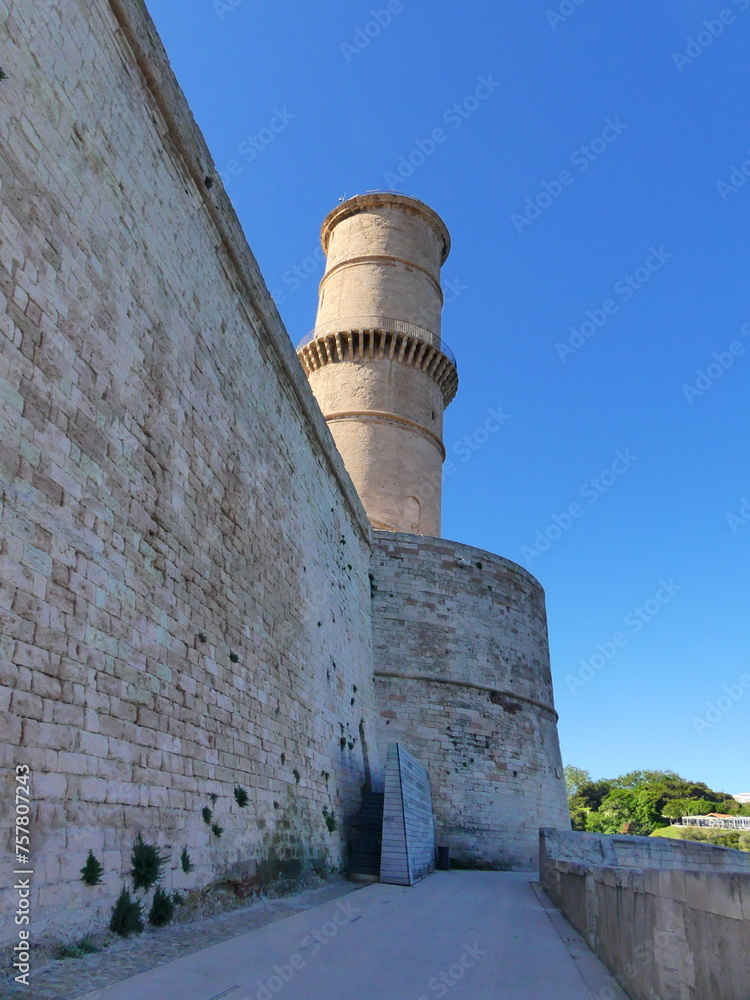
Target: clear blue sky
{"x":310,"y":109}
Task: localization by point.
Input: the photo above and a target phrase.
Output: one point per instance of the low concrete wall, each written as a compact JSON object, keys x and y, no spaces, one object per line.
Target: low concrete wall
{"x":677,"y":928}
{"x":638,"y":852}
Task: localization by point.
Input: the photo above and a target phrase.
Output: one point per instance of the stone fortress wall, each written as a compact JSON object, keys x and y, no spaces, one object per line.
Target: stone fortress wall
{"x":462,"y":677}
{"x":184,"y":592}
{"x":187,"y":598}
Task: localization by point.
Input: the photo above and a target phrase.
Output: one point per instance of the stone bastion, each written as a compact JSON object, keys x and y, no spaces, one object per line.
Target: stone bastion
{"x":462,"y":677}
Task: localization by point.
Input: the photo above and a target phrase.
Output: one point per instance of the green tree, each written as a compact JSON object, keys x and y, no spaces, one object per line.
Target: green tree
{"x":646,"y":800}
{"x":578,"y":817}
{"x":162,"y":908}
{"x":597,"y":822}
{"x":674,"y":809}
{"x":618,"y":809}
{"x":634,"y":779}
{"x":700,"y":807}
{"x":574,"y":778}
{"x":648,"y":806}
{"x":592,"y":794}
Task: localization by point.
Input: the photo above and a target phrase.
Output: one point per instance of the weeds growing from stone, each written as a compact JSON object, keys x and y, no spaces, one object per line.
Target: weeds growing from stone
{"x":92,"y":871}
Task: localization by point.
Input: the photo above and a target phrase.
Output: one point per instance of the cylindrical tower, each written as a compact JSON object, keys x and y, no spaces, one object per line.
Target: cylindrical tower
{"x":376,"y":361}
{"x":462,"y":678}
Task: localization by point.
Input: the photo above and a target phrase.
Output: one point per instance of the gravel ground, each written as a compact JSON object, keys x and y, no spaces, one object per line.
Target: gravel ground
{"x":208,"y":921}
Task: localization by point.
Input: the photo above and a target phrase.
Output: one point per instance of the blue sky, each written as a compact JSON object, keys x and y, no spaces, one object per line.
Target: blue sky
{"x":587,"y":177}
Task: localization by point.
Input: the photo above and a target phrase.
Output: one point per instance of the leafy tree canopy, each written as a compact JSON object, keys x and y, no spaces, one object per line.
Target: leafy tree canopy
{"x":574,"y":778}
{"x":640,"y":802}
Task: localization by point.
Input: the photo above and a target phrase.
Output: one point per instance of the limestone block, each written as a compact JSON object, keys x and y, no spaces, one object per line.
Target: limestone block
{"x":726,"y":893}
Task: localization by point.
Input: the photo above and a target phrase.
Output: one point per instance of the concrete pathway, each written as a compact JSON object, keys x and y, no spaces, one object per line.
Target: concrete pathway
{"x":460,"y":935}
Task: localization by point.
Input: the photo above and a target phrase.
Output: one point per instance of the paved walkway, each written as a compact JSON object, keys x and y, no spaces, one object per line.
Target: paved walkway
{"x":461,"y":935}
{"x":124,"y":958}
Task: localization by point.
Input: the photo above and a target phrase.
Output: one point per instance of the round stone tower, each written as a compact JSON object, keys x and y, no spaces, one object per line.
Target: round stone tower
{"x":461,"y":658}
{"x":462,"y":678}
{"x":376,"y":361}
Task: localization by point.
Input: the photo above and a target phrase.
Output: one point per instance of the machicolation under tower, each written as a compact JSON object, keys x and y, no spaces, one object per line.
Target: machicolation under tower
{"x":376,"y":361}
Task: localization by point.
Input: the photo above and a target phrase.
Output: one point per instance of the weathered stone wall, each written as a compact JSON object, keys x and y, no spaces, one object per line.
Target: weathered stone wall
{"x":184,"y":593}
{"x":463,"y":680}
{"x":637,"y":852}
{"x":676,"y":927}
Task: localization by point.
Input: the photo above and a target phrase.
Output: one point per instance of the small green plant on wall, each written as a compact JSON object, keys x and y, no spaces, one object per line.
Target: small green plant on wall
{"x":330,"y":819}
{"x":146,"y":870}
{"x":147,"y":865}
{"x":92,"y":871}
{"x":162,"y":908}
{"x":206,"y":814}
{"x":216,"y":829}
{"x":241,"y":796}
{"x":186,"y":861}
{"x":127,"y":915}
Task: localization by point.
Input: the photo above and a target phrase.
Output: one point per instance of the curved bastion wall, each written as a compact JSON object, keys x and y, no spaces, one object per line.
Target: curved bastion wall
{"x":462,"y":678}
